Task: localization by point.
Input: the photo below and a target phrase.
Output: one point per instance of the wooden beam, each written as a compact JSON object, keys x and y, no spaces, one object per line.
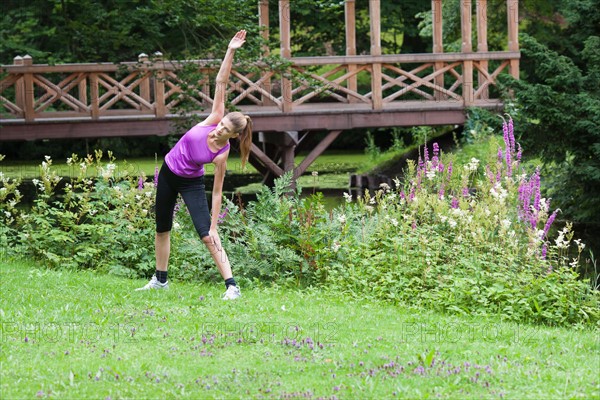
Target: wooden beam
{"x":263,"y":23}
{"x":467,"y":47}
{"x":350,"y":16}
{"x":482,"y":45}
{"x":29,"y":108}
{"x":267,"y":162}
{"x":286,"y":52}
{"x":438,"y":47}
{"x":465,"y":24}
{"x":375,"y":20}
{"x":512,"y":7}
{"x":316,"y":152}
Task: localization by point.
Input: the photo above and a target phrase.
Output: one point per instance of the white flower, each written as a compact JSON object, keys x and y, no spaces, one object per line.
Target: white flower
{"x":505,"y":223}
{"x":93,"y":212}
{"x":372,"y":200}
{"x":430,"y":174}
{"x":283,"y":308}
{"x":342,"y":219}
{"x":348,"y":197}
{"x":315,"y":173}
{"x":69,"y":161}
{"x":369,"y":208}
{"x":176,"y":225}
{"x":47,"y":158}
{"x":335,"y":247}
{"x":452,"y":223}
{"x":35,"y":181}
{"x":384,"y":186}
{"x":394,"y":222}
{"x":498,"y":192}
{"x":473,"y":165}
{"x":443,"y":218}
{"x":8,"y":215}
{"x":573,"y":263}
{"x":144,"y":212}
{"x":544,"y":205}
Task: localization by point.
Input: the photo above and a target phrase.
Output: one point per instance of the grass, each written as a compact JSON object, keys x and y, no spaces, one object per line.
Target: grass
{"x":85,"y":335}
{"x":331,"y":162}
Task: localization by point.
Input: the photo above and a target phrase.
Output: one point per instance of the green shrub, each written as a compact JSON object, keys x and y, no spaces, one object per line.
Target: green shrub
{"x":466,"y":238}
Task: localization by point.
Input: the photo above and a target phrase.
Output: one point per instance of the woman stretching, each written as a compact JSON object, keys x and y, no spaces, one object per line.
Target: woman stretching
{"x":183,"y":172}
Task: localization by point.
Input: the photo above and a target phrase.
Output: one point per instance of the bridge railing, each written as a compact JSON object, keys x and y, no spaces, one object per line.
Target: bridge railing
{"x":158,"y":89}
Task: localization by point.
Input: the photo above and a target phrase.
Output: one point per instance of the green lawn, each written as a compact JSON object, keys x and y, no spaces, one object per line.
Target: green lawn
{"x":331,"y":162}
{"x":85,"y":335}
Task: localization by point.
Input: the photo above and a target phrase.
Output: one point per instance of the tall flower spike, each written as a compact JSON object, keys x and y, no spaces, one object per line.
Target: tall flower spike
{"x":511,"y":134}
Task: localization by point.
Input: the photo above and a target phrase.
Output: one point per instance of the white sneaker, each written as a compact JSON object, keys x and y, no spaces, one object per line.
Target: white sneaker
{"x":154,"y":284}
{"x":232,"y":293}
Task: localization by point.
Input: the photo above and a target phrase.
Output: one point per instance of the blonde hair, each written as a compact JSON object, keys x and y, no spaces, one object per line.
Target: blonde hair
{"x":242,"y":124}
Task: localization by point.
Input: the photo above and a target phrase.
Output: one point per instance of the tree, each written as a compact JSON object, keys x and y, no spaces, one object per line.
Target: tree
{"x":560,"y":107}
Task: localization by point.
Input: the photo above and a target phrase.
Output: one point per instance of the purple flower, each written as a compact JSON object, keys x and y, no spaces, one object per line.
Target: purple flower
{"x":489,"y":174}
{"x":549,"y":223}
{"x":436,"y":150}
{"x":500,"y":156}
{"x":511,"y":134}
{"x":450,"y":170}
{"x":141,"y":183}
{"x":454,"y":202}
{"x":156,"y":176}
{"x":508,"y":163}
{"x":441,"y":192}
{"x":465,"y":191}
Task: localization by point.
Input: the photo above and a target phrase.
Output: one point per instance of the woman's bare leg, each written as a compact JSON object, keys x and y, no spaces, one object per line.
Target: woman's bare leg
{"x":219,"y":256}
{"x":163,"y":250}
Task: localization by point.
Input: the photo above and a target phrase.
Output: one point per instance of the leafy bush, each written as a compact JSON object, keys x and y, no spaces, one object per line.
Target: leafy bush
{"x":467,"y":239}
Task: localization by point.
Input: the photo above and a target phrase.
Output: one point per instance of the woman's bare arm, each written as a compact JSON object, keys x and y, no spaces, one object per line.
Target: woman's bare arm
{"x":218,"y":108}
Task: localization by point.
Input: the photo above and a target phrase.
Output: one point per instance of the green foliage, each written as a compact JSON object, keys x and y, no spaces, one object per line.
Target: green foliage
{"x":456,"y":237}
{"x":560,"y":109}
{"x":119,"y":30}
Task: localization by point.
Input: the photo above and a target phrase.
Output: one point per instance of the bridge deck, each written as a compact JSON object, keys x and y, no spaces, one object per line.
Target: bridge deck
{"x":305,"y":117}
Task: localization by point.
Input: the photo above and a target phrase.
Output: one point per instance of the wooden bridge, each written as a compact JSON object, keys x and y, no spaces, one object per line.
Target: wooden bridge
{"x":303,"y":94}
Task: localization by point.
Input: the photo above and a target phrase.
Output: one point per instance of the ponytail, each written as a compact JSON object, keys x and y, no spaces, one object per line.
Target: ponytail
{"x":246,"y":141}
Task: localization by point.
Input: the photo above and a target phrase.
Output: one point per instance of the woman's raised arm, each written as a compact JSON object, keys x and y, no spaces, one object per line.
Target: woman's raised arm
{"x":218,"y":108}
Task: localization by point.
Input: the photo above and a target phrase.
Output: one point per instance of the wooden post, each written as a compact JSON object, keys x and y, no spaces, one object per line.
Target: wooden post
{"x":29,"y":110}
{"x":467,"y":47}
{"x":160,"y":110}
{"x":482,"y":45}
{"x":512,"y":7}
{"x":82,"y":88}
{"x":438,"y":47}
{"x":20,"y":88}
{"x":145,"y":84}
{"x":94,"y":96}
{"x":286,"y":52}
{"x":263,"y":23}
{"x":350,"y":13}
{"x":375,"y":18}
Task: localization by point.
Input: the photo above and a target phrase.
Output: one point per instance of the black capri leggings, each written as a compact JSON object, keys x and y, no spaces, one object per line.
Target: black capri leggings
{"x":194,"y":196}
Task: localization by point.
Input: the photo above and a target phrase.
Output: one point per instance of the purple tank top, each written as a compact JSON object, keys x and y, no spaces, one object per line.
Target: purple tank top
{"x":191,"y":152}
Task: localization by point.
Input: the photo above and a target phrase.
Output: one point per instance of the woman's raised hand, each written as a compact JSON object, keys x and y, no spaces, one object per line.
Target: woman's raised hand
{"x":238,"y":40}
